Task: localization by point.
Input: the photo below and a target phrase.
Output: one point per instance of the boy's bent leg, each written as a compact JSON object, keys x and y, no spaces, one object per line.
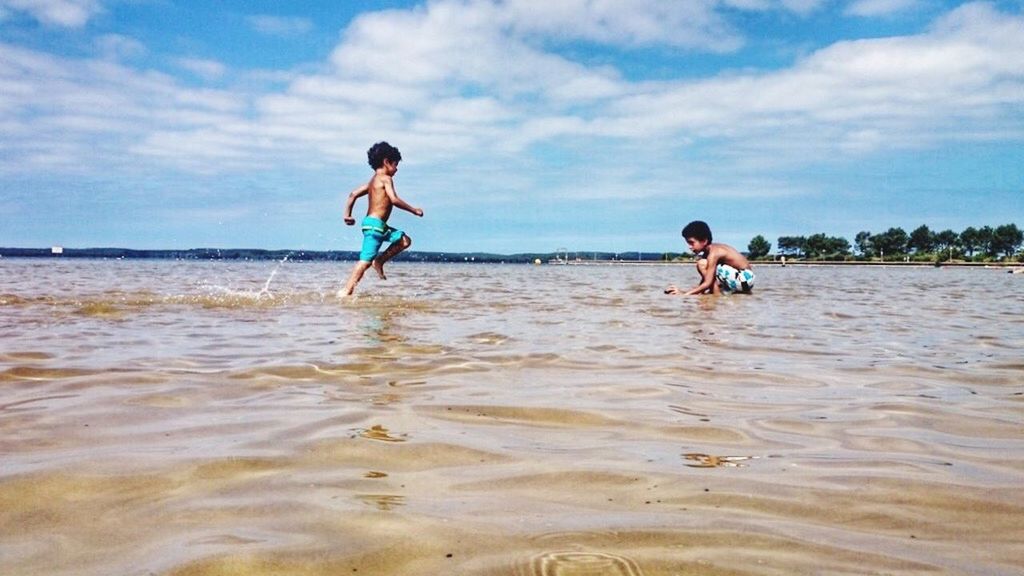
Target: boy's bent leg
{"x":378,"y":267}
{"x":372,"y":239}
{"x":392,"y":251}
{"x":704,"y":271}
{"x":357,"y":274}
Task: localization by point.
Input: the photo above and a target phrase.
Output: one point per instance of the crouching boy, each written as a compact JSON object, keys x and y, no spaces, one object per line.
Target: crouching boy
{"x":721,"y":267}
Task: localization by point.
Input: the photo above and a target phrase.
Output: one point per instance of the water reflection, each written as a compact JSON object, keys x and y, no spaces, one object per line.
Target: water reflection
{"x":710,"y":461}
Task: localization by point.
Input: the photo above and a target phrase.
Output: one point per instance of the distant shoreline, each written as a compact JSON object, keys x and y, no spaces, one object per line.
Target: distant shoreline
{"x":549,"y":258}
{"x":779,"y":264}
{"x":252,"y":254}
{"x":886,"y":263}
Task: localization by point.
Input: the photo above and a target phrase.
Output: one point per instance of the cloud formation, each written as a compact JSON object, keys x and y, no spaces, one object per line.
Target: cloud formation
{"x":204,"y":68}
{"x":118,"y":47}
{"x":627,"y":119}
{"x":453,"y":76}
{"x":65,"y":13}
{"x":81,"y":115}
{"x":872,"y":8}
{"x":458,"y":77}
{"x":864,"y":94}
{"x":696,"y":24}
{"x":280,"y":25}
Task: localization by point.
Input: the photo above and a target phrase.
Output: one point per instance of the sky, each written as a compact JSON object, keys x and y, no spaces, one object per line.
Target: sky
{"x":524,"y":125}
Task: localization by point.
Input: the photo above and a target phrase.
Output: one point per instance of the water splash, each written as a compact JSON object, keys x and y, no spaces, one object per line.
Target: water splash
{"x":217,"y":296}
{"x":266,"y":287}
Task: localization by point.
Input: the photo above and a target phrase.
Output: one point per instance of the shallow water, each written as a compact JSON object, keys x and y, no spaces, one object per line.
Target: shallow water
{"x":208,"y":418}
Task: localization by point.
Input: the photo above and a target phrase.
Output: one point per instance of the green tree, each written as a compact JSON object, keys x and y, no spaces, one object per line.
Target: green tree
{"x":985,"y":236}
{"x":863,"y":242}
{"x":759,"y":247}
{"x":892,"y":242}
{"x":946,"y":242}
{"x":820,"y":246}
{"x":922,"y":241}
{"x":838,"y":247}
{"x":1006,"y":239}
{"x":816,"y":246}
{"x":792,"y":245}
{"x":970,"y":240}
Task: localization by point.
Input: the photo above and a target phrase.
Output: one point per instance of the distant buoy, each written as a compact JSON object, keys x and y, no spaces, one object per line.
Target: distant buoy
{"x":536,"y":262}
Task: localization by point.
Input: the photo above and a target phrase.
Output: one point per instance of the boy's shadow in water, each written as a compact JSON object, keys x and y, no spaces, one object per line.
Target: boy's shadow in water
{"x":393,"y":366}
{"x":708,"y":303}
{"x":380,"y":326}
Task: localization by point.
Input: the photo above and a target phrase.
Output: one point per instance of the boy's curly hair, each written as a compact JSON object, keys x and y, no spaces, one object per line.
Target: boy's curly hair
{"x":697,"y":229}
{"x":380,"y":152}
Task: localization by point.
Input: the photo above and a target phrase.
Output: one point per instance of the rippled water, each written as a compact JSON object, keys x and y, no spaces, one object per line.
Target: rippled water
{"x":236,"y":418}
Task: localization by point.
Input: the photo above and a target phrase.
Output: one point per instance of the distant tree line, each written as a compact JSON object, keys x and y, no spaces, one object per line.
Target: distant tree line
{"x":922,"y":244}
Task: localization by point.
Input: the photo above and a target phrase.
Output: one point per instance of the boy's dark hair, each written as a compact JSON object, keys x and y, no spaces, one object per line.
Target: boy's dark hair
{"x":697,"y":229}
{"x":380,"y":152}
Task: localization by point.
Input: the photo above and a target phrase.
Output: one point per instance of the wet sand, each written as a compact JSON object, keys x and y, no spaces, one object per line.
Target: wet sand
{"x":236,"y":418}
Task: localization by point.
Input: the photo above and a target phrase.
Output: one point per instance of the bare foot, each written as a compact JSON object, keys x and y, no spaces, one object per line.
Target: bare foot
{"x":379,"y":268}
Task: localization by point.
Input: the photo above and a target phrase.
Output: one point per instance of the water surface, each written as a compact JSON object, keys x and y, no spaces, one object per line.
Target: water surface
{"x":200,"y":418}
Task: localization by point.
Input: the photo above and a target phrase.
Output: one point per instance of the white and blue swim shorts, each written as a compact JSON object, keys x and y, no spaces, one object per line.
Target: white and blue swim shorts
{"x":733,"y":280}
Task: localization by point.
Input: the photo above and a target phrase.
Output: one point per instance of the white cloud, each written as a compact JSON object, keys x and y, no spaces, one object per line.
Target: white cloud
{"x":873,"y":8}
{"x":280,"y":25}
{"x":802,"y":7}
{"x":694,"y":24}
{"x":87,"y":115}
{"x":207,"y":69}
{"x":66,"y":13}
{"x":971,"y":64}
{"x":455,"y":78}
{"x":118,"y":47}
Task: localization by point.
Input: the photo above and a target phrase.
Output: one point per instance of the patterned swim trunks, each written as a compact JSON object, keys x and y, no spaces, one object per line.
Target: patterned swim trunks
{"x":733,"y":280}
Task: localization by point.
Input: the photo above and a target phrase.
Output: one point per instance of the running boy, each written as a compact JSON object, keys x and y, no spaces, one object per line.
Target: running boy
{"x":384,"y":159}
{"x":721,"y":267}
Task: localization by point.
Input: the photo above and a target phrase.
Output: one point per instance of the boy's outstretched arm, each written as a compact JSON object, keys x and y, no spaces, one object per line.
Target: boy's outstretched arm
{"x":707,"y":279}
{"x":389,"y":189}
{"x":352,"y":197}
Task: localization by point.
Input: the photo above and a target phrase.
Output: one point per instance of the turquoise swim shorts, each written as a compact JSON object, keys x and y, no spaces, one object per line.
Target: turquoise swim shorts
{"x":733,"y":280}
{"x":375,"y":233}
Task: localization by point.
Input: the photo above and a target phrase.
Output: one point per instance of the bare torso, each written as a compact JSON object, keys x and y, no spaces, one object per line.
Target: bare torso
{"x":725,"y":254}
{"x":379,"y":205}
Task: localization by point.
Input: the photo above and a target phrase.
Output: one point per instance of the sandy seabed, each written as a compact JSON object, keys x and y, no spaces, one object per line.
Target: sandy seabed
{"x":213,"y":418}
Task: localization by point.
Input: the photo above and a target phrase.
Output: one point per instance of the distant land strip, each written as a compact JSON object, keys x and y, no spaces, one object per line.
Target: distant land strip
{"x":318,"y":255}
{"x":570,"y":258}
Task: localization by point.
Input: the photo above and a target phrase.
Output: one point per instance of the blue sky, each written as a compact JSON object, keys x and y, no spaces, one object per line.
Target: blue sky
{"x":525,"y":125}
